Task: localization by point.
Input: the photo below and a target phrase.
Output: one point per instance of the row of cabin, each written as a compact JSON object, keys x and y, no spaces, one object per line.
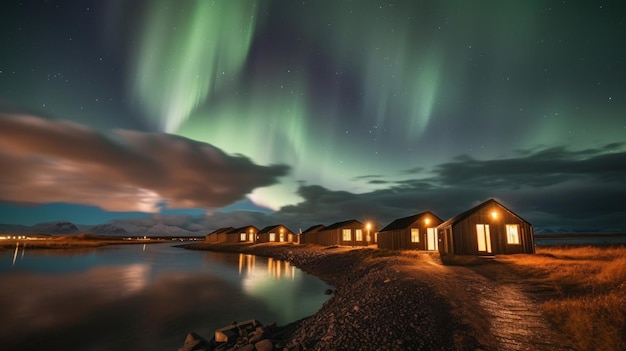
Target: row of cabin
{"x":487,"y":229}
{"x":250,"y":234}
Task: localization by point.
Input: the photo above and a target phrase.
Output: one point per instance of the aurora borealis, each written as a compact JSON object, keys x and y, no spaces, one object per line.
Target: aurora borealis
{"x":313,"y":111}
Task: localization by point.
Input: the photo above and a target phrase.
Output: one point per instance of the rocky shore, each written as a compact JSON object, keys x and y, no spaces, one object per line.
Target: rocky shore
{"x":376,"y":305}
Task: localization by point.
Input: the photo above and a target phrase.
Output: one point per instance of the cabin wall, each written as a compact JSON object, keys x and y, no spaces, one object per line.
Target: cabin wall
{"x":465,"y":237}
{"x":335,"y":236}
{"x":399,"y":239}
{"x":222,"y":237}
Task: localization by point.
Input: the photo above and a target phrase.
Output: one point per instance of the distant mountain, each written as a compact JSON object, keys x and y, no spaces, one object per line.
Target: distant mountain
{"x":41,"y":228}
{"x":108,"y":229}
{"x":55,"y":228}
{"x":167,"y":230}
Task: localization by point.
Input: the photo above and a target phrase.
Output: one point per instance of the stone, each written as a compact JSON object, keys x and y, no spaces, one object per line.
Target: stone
{"x":264,"y":345}
{"x":194,"y":342}
{"x":246,"y":347}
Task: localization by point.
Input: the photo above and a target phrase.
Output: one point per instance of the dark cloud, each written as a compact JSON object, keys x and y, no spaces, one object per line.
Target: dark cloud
{"x":56,"y":161}
{"x":556,"y":189}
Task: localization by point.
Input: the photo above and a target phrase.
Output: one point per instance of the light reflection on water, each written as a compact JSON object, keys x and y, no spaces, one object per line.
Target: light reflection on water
{"x":138,"y":297}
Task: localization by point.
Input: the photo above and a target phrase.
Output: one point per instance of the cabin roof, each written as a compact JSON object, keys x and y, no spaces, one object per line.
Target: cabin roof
{"x":221,"y":230}
{"x":242,"y":229}
{"x":314,"y":228}
{"x":341,"y":224}
{"x":476,"y":208}
{"x":405,"y":222}
{"x":269,"y":228}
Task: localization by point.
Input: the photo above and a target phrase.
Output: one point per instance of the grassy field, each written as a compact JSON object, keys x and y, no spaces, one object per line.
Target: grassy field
{"x":591,"y":286}
{"x":71,"y":241}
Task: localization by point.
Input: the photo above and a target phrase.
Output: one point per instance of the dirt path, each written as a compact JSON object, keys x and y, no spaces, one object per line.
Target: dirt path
{"x":504,"y":310}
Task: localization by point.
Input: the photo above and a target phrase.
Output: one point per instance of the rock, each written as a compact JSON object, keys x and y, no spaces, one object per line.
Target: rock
{"x":328,"y":292}
{"x":194,"y":342}
{"x":264,"y":345}
{"x":246,"y":347}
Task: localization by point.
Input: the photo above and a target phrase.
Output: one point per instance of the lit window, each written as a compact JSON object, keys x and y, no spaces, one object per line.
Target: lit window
{"x":347,"y":234}
{"x":282,"y":237}
{"x":272,"y":236}
{"x":359,"y":234}
{"x":415,"y":235}
{"x":483,"y":237}
{"x":512,"y":233}
{"x":242,"y":237}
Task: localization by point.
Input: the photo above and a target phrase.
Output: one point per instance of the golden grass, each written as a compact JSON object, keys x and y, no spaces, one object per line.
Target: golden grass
{"x":591,"y":285}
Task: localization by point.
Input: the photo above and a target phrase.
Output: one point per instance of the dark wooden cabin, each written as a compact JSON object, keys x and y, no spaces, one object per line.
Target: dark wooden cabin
{"x":275,"y":233}
{"x":417,"y":232}
{"x":214,"y":236}
{"x":347,"y":233}
{"x":309,"y":236}
{"x":487,"y":229}
{"x":243,"y":234}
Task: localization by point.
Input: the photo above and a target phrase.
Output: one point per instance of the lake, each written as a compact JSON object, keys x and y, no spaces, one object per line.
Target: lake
{"x":140,"y":297}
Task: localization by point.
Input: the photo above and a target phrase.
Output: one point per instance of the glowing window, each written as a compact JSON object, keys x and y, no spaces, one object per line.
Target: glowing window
{"x":512,"y":234}
{"x":242,"y":237}
{"x":483,"y":237}
{"x":415,"y":235}
{"x":272,"y":236}
{"x":282,"y":237}
{"x":347,"y":234}
{"x":359,"y":234}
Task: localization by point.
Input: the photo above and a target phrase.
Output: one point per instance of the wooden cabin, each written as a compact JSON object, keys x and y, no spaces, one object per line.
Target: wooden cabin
{"x":417,"y":232}
{"x":276,"y":233}
{"x":348,"y":233}
{"x":487,"y":229}
{"x":243,"y":234}
{"x":310,"y":234}
{"x":214,"y":236}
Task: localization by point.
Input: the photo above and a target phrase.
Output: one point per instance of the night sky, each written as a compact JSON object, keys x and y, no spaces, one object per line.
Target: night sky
{"x":216,"y":113}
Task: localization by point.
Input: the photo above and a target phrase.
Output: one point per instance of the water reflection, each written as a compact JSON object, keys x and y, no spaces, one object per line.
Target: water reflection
{"x":145,"y":296}
{"x":275,"y":268}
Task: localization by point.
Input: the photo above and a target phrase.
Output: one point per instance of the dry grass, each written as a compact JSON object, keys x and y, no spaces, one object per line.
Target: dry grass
{"x":591,"y":283}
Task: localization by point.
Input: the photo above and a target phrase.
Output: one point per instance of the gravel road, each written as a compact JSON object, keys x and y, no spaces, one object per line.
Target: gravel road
{"x":387,"y":300}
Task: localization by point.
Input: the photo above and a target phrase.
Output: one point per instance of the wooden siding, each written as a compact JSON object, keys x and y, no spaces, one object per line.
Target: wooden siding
{"x":264,"y":235}
{"x":333,"y":235}
{"x":400,"y":238}
{"x":460,"y":237}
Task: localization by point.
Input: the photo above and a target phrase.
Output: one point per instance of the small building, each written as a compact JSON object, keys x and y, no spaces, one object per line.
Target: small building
{"x":416,"y":232}
{"x":214,"y":236}
{"x":309,"y":236}
{"x":243,"y":234}
{"x":275,"y":233}
{"x":487,"y":229}
{"x":348,"y":233}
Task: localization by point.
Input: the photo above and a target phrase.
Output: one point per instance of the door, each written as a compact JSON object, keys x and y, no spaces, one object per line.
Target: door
{"x":483,"y":238}
{"x":431,"y":239}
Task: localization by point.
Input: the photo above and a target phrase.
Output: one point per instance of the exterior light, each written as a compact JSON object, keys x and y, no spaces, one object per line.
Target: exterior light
{"x":368,"y":226}
{"x":494,"y":214}
{"x":427,"y":221}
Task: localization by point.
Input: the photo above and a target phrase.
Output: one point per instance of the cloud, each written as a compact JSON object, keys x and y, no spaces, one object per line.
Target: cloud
{"x":556,"y":189}
{"x":56,"y":161}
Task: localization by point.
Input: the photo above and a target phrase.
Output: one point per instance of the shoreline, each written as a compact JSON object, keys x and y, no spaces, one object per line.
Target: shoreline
{"x":375,"y":305}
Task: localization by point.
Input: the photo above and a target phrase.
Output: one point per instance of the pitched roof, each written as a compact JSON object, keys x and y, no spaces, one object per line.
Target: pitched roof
{"x":268,"y":229}
{"x":474,"y":209}
{"x":341,"y":224}
{"x":406,"y":222}
{"x":314,"y":228}
{"x":221,"y":230}
{"x":241,"y":229}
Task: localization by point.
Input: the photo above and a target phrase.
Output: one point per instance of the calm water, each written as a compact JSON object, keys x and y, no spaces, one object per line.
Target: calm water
{"x":142,"y":297}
